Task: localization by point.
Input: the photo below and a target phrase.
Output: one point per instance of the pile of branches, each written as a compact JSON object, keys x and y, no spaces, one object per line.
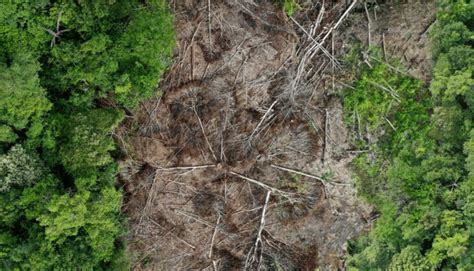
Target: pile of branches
{"x":219,"y":173}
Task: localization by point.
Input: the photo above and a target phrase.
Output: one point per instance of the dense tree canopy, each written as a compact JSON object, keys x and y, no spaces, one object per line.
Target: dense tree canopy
{"x":60,"y":62}
{"x":23,"y":101}
{"x":420,"y":174}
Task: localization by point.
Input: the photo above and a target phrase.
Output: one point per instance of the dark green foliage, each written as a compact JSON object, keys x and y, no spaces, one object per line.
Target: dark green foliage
{"x":119,"y":49}
{"x":454,"y":27}
{"x":420,"y":175}
{"x":59,"y":209}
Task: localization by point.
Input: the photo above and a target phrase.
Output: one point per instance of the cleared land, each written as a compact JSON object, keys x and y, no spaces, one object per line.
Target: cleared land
{"x":243,"y":161}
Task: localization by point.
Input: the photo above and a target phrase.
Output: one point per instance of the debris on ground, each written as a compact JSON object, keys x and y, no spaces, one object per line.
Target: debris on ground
{"x":243,"y":161}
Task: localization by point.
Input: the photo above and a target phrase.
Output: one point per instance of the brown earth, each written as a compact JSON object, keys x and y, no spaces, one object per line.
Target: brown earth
{"x":249,"y":112}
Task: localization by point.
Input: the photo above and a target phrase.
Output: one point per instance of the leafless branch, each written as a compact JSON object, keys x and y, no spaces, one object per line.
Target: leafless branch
{"x":58,"y":32}
{"x":369,"y":23}
{"x":326,"y":134}
{"x":289,"y":196}
{"x":209,"y":24}
{"x":214,"y":235}
{"x":391,"y":125}
{"x":394,"y":95}
{"x":255,"y":253}
{"x":262,"y":119}
{"x":329,"y":55}
{"x":323,"y":181}
{"x":184,"y":168}
{"x":204,"y":134}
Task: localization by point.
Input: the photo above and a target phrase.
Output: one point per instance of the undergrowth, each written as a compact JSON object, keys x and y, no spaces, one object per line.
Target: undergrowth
{"x":418,"y":167}
{"x":289,"y":6}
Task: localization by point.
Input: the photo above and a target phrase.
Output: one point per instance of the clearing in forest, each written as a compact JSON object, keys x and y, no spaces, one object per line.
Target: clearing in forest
{"x":243,"y":160}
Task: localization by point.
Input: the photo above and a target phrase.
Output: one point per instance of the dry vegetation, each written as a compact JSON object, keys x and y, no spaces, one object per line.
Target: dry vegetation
{"x":242,"y":162}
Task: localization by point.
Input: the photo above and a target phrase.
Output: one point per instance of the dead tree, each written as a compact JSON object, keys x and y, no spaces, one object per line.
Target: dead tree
{"x":58,"y":32}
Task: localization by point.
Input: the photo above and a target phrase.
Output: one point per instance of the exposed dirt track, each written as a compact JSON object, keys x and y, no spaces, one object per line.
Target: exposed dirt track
{"x":242,"y":162}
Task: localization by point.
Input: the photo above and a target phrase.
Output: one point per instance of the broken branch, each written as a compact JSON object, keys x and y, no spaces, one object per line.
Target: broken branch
{"x":256,"y":251}
{"x":284,"y":194}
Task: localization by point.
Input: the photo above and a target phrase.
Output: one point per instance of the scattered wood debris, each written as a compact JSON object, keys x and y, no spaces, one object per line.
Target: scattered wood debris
{"x":238,"y":164}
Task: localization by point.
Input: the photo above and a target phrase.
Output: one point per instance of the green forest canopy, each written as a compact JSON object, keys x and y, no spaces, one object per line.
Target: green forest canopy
{"x":59,"y":62}
{"x":420,"y":175}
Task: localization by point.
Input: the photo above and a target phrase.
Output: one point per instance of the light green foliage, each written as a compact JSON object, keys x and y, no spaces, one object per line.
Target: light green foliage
{"x":451,"y":241}
{"x":289,"y":6}
{"x":409,"y":259}
{"x":22,"y":99}
{"x":375,"y":88}
{"x":18,"y":168}
{"x":102,"y":226}
{"x":67,"y":215}
{"x":60,"y":99}
{"x":384,"y":99}
{"x":7,"y":135}
{"x":87,"y":142}
{"x":34,"y":199}
{"x":420,"y":176}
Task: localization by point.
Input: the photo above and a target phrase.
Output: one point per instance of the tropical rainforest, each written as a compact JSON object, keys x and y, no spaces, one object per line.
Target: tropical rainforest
{"x":69,"y":73}
{"x":72,"y":71}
